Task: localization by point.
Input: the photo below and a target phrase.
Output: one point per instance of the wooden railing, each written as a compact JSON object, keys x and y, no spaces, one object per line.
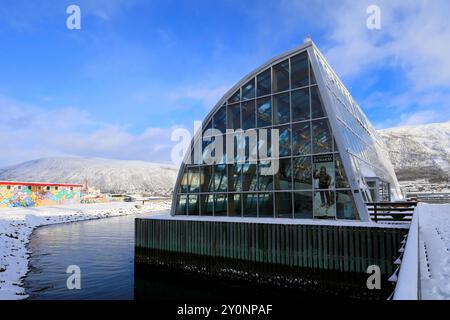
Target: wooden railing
{"x":391,"y":211}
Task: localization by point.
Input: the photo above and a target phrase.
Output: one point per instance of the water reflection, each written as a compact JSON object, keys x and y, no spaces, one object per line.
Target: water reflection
{"x":103,"y":249}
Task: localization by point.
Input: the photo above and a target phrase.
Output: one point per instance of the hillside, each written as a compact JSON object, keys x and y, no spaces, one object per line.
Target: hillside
{"x":420,"y":152}
{"x":106,"y":175}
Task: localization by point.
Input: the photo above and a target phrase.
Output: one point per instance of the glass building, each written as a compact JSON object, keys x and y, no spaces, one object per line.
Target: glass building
{"x":329,"y":159}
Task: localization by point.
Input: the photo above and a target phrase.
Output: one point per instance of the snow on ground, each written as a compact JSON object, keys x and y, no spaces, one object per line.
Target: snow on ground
{"x":17,"y":224}
{"x":434,"y":250}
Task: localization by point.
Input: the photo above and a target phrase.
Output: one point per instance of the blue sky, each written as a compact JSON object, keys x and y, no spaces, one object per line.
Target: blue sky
{"x":137,"y":69}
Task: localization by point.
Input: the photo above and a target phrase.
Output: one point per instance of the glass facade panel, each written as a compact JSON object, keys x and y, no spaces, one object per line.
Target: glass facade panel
{"x":264,"y":112}
{"x":264,"y":143}
{"x":302,"y":173}
{"x":181,"y":209}
{"x":265,"y":175}
{"x":284,"y":141}
{"x":341,"y":177}
{"x":264,"y":83}
{"x":345,"y":205}
{"x":265,"y":205}
{"x":250,"y":204}
{"x":280,"y":81}
{"x":207,"y":204}
{"x":283,"y":176}
{"x":234,"y":205}
{"x":220,"y":205}
{"x":283,"y":205}
{"x":322,"y":139}
{"x":249,"y":177}
{"x":183,"y":187}
{"x":236,"y":97}
{"x":206,"y":179}
{"x":299,"y":74}
{"x":303,"y":205}
{"x":193,"y":207}
{"x":300,"y":105}
{"x":316,"y":103}
{"x":234,"y":116}
{"x":248,"y":115}
{"x":194,"y":179}
{"x":220,"y":178}
{"x":301,"y":138}
{"x":220,"y":120}
{"x":248,"y":90}
{"x":235,"y":177}
{"x":207,"y":127}
{"x":281,"y":108}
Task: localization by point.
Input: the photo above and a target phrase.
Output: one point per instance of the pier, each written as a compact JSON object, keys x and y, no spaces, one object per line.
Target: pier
{"x":313,"y":255}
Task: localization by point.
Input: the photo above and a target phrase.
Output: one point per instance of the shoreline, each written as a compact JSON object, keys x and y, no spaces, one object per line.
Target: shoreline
{"x":18,"y":224}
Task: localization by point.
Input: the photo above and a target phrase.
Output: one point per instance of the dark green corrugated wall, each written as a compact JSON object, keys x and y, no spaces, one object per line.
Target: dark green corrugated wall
{"x":338,"y":248}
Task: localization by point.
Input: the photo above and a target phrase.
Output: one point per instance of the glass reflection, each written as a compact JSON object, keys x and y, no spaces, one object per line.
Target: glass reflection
{"x":194,"y":179}
{"x":283,"y":177}
{"x":322,"y":139}
{"x":181,"y":205}
{"x":301,"y":138}
{"x":302,"y":173}
{"x":220,"y":205}
{"x":249,"y":177}
{"x":283,"y":205}
{"x":264,"y":112}
{"x":281,"y":77}
{"x":248,"y":90}
{"x":284,"y":141}
{"x":220,"y":120}
{"x":265,"y":175}
{"x":248,"y":115}
{"x":341,"y":177}
{"x":183,"y":188}
{"x":281,"y":109}
{"x":345,"y":205}
{"x":234,"y":116}
{"x":265,"y":205}
{"x":250,"y":203}
{"x":206,"y":204}
{"x":234,"y":205}
{"x":303,"y":205}
{"x":300,"y":105}
{"x":264,"y":83}
{"x":316,"y":103}
{"x":206,"y":179}
{"x":220,"y":177}
{"x":193,"y":209}
{"x":299,"y":75}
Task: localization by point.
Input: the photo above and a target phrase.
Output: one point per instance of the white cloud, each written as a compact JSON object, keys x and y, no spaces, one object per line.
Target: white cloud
{"x":414,"y":41}
{"x":29,"y":132}
{"x":208,"y":97}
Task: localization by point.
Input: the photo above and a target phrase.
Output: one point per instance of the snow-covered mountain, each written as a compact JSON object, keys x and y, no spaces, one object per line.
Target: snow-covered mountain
{"x":420,"y":152}
{"x":103,"y":174}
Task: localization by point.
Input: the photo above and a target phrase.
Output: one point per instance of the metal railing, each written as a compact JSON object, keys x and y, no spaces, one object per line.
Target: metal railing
{"x":391,"y":211}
